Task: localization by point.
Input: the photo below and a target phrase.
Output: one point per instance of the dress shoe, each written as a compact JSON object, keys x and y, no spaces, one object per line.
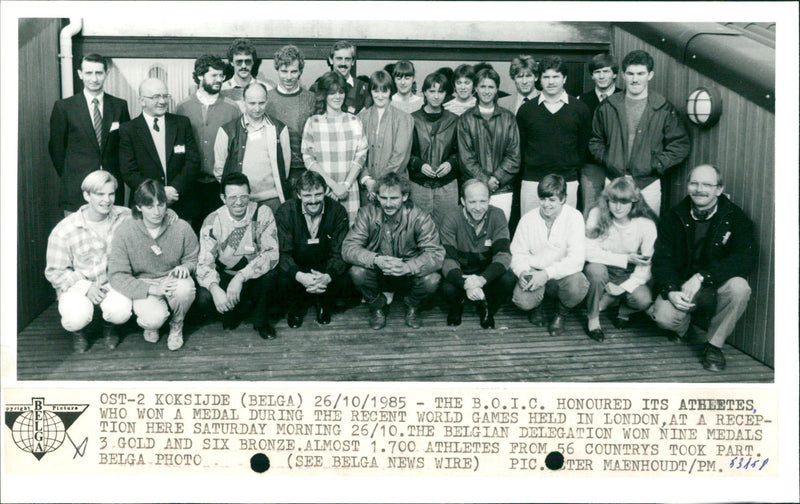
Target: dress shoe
{"x":713,"y":358}
{"x":175,"y":339}
{"x":454,"y":314}
{"x":150,"y":335}
{"x":80,"y":343}
{"x":268,"y":332}
{"x":109,"y":337}
{"x":294,"y":319}
{"x":596,"y":334}
{"x":536,"y":317}
{"x":324,"y":315}
{"x":486,"y":317}
{"x":412,"y":318}
{"x":621,"y":323}
{"x":377,"y":319}
{"x":556,"y":327}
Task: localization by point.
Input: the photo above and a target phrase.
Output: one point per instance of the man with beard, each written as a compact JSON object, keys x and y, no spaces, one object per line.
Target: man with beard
{"x":77,"y":261}
{"x":84,"y":133}
{"x":243,"y":58}
{"x":393,"y":246}
{"x":704,"y":251}
{"x":476,"y":244}
{"x":311,"y":229}
{"x":258,"y":146}
{"x":208,"y":111}
{"x":291,"y":104}
{"x":238,"y":254}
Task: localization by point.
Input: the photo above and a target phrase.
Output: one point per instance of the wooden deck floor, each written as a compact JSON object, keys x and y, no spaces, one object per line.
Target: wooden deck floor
{"x":349,"y":350}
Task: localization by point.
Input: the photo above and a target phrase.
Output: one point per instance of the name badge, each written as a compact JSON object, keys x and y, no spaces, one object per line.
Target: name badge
{"x":487,"y":243}
{"x":156,"y":250}
{"x":114,"y":126}
{"x":725,"y":237}
{"x":179,"y":149}
{"x":249,"y":249}
{"x":352,"y":110}
{"x":313,"y":241}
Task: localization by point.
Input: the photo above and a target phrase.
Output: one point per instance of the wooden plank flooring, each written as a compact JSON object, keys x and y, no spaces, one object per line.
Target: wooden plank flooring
{"x":349,"y":350}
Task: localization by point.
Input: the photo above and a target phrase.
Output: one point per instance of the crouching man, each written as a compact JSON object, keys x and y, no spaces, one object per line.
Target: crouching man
{"x":704,"y":250}
{"x":476,"y":244}
{"x":311,"y":229}
{"x":393,"y":247}
{"x":77,"y":261}
{"x":548,"y":253}
{"x":238,"y":254}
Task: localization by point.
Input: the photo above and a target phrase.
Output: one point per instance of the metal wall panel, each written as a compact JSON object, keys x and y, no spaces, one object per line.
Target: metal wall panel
{"x":37,"y":184}
{"x":742,"y":146}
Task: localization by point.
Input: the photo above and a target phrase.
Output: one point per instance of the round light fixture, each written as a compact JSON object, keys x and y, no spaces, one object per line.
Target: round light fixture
{"x":704,"y":107}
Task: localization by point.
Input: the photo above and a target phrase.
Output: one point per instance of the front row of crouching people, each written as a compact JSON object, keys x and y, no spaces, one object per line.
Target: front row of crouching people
{"x":122,"y":262}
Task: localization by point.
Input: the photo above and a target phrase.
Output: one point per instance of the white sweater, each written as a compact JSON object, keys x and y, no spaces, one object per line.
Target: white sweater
{"x":561,"y":254}
{"x":612,"y":249}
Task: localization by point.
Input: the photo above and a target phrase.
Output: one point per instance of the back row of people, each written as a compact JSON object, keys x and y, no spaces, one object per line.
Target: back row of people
{"x":101,"y":257}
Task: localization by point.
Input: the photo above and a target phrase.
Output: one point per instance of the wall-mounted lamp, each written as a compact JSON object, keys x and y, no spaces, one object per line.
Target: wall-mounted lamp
{"x":704,"y":107}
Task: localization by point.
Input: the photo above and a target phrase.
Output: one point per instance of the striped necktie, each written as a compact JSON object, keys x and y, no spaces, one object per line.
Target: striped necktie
{"x":97,"y":122}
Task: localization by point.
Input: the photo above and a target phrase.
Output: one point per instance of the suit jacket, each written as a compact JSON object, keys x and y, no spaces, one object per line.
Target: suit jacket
{"x":139,"y":159}
{"x":357,"y":97}
{"x":591,"y":100}
{"x":73,"y":144}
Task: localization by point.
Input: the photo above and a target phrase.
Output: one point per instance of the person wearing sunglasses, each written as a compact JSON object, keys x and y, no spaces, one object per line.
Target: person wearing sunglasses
{"x":242,"y":56}
{"x":706,"y":248}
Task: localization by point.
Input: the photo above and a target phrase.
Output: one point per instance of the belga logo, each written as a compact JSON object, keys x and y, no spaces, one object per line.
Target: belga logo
{"x":40,"y":428}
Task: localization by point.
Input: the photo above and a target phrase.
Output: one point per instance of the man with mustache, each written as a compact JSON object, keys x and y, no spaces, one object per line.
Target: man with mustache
{"x":341,"y":60}
{"x":704,"y":251}
{"x":639,"y":133}
{"x":208,"y":111}
{"x":238,"y":255}
{"x":393,"y":246}
{"x":311,"y":228}
{"x":242,"y":56}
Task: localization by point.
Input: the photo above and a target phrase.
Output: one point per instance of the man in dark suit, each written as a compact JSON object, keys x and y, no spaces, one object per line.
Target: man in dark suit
{"x":603,"y":69}
{"x":84,"y":133}
{"x":162,"y":147}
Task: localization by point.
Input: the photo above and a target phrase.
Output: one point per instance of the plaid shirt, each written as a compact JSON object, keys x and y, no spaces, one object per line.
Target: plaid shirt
{"x":335,"y":146}
{"x":76,"y":256}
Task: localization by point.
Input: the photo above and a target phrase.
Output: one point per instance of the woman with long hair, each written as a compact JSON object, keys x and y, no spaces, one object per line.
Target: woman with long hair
{"x":334,"y":143}
{"x":388,"y":132}
{"x":153,"y":256}
{"x":621,"y":233}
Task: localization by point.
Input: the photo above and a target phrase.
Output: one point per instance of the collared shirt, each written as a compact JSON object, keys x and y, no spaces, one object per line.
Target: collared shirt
{"x":607,"y":93}
{"x":77,"y":256}
{"x":313,"y":221}
{"x":477,"y":226}
{"x":391,"y":225}
{"x":159,"y":138}
{"x":521,"y":99}
{"x":554,"y":107}
{"x":89,"y":99}
{"x":231,"y":89}
{"x":350,"y":80}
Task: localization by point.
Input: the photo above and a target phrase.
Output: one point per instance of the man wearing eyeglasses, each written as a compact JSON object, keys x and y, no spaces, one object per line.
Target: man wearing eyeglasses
{"x":238,"y":255}
{"x":704,"y":251}
{"x":244,"y":59}
{"x":160,"y":146}
{"x":208,"y":111}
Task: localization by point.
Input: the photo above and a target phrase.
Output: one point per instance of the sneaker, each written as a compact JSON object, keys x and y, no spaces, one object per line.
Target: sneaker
{"x":150,"y":335}
{"x":713,"y":358}
{"x":175,"y":340}
{"x":79,"y":342}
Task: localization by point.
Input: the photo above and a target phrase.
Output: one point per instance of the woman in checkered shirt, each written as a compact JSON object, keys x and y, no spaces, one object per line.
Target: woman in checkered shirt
{"x":334,"y":143}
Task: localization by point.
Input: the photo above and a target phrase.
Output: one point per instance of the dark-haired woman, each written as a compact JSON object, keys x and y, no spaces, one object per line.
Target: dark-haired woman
{"x":621,"y":234}
{"x":464,"y":82}
{"x":334,"y":143}
{"x":153,"y":256}
{"x":388,"y":131}
{"x":433,"y":167}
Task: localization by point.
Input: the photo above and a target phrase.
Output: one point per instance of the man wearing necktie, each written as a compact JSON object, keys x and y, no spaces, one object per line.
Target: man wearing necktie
{"x":160,"y":146}
{"x":84,"y":133}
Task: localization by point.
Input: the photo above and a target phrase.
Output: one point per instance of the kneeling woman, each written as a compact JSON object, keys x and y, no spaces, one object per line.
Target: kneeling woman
{"x":621,"y":233}
{"x":153,"y":256}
